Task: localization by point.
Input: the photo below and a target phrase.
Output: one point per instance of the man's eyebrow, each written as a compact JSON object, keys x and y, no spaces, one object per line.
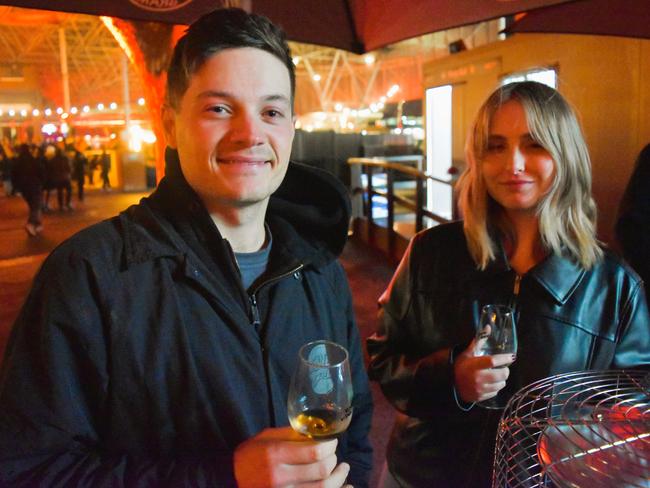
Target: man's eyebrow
{"x":214,"y":94}
{"x":276,"y":98}
{"x":224,"y":94}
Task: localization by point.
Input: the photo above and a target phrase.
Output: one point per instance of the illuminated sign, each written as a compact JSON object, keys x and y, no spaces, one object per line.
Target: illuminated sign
{"x":160,"y":5}
{"x":464,"y":71}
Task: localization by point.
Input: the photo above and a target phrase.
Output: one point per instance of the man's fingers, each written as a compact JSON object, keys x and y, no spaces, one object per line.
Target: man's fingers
{"x":307,"y":473}
{"x":303,"y":451}
{"x":281,"y":434}
{"x":335,"y":480}
{"x":338,"y":476}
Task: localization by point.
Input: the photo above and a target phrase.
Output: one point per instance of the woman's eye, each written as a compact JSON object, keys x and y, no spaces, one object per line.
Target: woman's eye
{"x":494,"y":147}
{"x":273,"y":113}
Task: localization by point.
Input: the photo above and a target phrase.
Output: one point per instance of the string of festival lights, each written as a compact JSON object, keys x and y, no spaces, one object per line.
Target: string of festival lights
{"x":59,"y":112}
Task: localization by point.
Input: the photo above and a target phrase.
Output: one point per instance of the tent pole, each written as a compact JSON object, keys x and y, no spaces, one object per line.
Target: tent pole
{"x":63,"y":52}
{"x":126,"y":95}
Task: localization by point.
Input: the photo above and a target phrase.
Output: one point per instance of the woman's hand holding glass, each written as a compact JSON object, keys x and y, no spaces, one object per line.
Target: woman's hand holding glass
{"x":481,"y":371}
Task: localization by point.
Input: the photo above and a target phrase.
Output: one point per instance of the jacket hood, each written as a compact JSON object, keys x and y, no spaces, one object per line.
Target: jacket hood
{"x":312,"y":201}
{"x":316,"y":204}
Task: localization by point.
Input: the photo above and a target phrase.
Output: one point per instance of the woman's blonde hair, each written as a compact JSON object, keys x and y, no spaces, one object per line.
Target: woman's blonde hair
{"x":567,"y":212}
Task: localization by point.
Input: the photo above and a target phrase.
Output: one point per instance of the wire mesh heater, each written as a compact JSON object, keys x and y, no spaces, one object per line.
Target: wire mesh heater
{"x":589,"y":429}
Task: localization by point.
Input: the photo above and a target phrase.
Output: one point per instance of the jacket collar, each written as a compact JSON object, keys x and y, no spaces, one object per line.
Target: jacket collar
{"x":146,"y":236}
{"x":151,"y":228}
{"x":159,"y":225}
{"x":559,"y":276}
{"x":556,"y":274}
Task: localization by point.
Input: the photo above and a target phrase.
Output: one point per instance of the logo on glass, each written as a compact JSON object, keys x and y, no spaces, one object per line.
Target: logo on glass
{"x":160,"y":5}
{"x":321,"y":381}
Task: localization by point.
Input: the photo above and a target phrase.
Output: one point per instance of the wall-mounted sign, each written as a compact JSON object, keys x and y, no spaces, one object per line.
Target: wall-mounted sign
{"x":464,"y":71}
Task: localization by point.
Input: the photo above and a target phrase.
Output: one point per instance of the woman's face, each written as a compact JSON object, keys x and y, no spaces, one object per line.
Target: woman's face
{"x":517,"y":171}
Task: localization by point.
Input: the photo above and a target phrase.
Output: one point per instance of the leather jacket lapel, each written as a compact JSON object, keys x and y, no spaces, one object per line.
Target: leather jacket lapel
{"x":559,"y":276}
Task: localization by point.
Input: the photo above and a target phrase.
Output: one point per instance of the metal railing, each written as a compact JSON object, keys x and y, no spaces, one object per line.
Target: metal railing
{"x":370,"y":166}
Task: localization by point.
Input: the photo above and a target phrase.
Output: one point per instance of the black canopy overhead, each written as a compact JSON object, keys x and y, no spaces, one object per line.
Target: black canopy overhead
{"x":354,"y":25}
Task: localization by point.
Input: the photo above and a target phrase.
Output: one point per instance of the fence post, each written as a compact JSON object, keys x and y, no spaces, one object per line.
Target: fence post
{"x":419,"y":204}
{"x":368,"y":170}
{"x":390,"y":200}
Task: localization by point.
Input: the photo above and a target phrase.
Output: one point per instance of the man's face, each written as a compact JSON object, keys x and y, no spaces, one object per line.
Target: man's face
{"x":233,"y":128}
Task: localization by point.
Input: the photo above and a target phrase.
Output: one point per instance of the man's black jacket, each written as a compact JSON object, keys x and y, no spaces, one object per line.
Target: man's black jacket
{"x":137,"y":359}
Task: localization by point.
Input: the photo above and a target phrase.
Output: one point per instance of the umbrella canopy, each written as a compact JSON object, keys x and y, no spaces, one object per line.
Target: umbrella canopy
{"x":354,"y":25}
{"x":628,"y":18}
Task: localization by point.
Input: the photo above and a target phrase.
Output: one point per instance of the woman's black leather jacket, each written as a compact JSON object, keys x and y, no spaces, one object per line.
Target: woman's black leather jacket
{"x":569,"y":319}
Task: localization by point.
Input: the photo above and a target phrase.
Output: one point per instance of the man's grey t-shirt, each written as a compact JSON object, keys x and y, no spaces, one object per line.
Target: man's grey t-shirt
{"x":253,"y":264}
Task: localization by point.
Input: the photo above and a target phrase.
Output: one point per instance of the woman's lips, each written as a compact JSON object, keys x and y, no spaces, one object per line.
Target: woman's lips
{"x":516,"y":183}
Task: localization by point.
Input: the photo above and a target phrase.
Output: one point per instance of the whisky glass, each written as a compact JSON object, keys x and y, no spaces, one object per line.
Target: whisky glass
{"x":320,"y":394}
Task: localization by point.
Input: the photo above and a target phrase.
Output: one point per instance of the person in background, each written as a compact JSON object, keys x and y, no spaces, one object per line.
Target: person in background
{"x":105,"y":164}
{"x":57,"y":177}
{"x":79,"y":165}
{"x":28,"y":176}
{"x":92,"y":166}
{"x":528,"y":240}
{"x":633,"y":224}
{"x":45,"y":154}
{"x":156,"y":348}
{"x":5,"y":171}
{"x":62,"y":178}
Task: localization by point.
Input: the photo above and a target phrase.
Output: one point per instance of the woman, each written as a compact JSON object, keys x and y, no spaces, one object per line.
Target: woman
{"x":528,"y":239}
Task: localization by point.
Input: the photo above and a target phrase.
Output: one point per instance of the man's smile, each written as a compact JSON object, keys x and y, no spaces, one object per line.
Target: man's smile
{"x":244,"y":161}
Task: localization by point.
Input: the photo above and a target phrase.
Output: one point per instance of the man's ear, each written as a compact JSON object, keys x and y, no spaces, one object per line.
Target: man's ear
{"x":169,"y":124}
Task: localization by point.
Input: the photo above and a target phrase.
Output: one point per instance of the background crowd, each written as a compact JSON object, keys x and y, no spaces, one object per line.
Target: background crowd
{"x":36,"y":171}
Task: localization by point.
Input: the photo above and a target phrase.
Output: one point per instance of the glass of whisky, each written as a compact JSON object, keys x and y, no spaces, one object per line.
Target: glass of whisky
{"x":320,"y":395}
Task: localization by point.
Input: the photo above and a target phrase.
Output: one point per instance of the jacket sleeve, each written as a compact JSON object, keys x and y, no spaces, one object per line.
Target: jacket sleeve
{"x":54,"y":395}
{"x":358,"y":452}
{"x":416,"y":379}
{"x":633,"y":348}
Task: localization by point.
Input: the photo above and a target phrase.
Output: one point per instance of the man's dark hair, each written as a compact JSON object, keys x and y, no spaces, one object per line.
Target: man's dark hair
{"x":218,"y":30}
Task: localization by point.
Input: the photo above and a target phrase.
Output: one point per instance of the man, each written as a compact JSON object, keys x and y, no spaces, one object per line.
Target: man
{"x":79,"y":165}
{"x":156,"y":348}
{"x":105,"y":164}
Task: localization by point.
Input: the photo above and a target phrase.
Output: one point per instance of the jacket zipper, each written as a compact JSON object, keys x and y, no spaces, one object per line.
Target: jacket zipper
{"x":515,"y":292}
{"x":517,"y":285}
{"x":255,"y":311}
{"x":253,"y":296}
